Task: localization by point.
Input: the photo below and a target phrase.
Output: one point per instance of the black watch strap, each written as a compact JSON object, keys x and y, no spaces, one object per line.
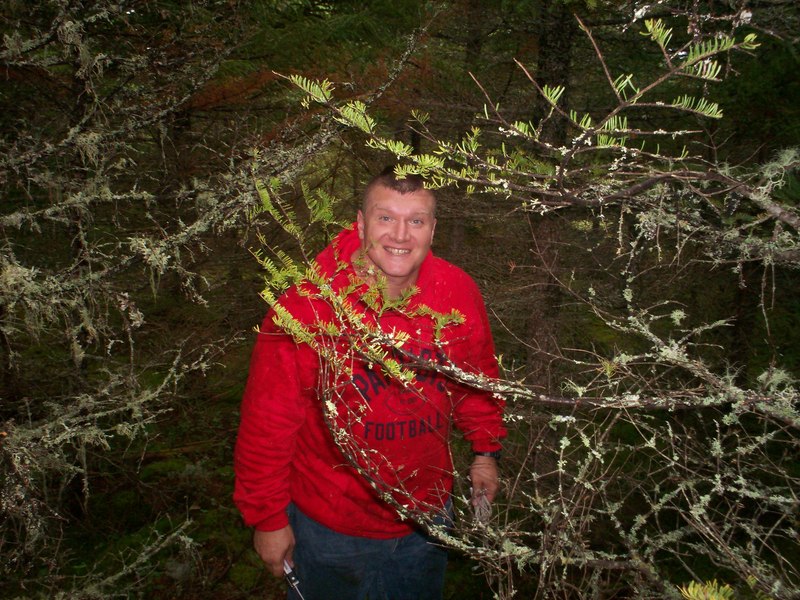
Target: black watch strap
{"x":495,"y":454}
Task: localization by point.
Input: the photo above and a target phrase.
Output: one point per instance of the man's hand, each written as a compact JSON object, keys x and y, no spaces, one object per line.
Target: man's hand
{"x":274,"y":547}
{"x":483,"y":475}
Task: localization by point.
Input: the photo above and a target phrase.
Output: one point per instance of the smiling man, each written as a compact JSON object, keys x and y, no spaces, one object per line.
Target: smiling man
{"x":395,"y":226}
{"x":350,"y":516}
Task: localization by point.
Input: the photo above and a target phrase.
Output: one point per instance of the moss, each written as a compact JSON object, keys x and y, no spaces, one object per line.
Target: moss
{"x":124,"y":508}
{"x":163,"y":468}
{"x":245,"y":576}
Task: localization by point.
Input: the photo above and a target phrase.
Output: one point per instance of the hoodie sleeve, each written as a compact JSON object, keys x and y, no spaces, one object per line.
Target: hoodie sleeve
{"x":478,"y":414}
{"x":278,"y":391}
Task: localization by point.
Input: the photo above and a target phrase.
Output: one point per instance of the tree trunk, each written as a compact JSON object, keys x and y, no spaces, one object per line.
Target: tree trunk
{"x":554,"y":66}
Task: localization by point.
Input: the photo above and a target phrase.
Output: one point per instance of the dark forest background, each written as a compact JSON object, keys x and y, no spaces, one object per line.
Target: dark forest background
{"x":620,"y":178}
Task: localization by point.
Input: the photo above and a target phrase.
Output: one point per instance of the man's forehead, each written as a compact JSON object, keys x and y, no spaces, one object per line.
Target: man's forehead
{"x":394,"y":207}
{"x":387,"y":197}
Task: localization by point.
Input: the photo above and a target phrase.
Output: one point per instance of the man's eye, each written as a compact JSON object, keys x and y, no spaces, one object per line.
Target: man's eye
{"x":416,"y":221}
{"x":383,"y":218}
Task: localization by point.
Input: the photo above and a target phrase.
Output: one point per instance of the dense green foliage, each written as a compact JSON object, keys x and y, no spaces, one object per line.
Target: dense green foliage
{"x":621,"y":181}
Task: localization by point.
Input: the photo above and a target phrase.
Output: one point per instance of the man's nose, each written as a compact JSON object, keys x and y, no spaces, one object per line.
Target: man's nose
{"x":401,"y":231}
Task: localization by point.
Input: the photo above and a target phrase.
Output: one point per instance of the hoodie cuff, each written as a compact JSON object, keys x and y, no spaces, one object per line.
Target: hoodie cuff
{"x":274,"y":523}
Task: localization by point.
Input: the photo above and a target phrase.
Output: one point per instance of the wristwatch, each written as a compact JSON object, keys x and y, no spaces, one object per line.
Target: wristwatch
{"x":495,"y":454}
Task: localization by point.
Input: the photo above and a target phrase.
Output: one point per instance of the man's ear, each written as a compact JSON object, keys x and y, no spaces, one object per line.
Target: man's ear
{"x":433,"y":230}
{"x":360,"y":222}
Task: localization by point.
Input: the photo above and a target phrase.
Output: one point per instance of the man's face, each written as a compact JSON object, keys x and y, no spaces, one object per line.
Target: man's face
{"x":396,"y":231}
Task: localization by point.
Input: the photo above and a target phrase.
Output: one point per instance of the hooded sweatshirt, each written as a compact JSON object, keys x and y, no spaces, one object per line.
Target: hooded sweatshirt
{"x":330,"y":430}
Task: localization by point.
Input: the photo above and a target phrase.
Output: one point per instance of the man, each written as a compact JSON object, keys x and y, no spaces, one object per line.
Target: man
{"x":336,"y":459}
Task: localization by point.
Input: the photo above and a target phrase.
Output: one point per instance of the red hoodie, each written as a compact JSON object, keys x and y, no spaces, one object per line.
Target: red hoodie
{"x":399,"y":434}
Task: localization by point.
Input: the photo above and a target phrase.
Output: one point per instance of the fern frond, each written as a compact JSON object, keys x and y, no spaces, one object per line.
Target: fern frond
{"x":705,"y":69}
{"x":268,"y":296}
{"x":660,"y":34}
{"x":710,"y":590}
{"x":283,"y":215}
{"x":320,"y":205}
{"x":708,"y":48}
{"x":585,"y":121}
{"x":420,"y":117}
{"x":608,"y":134}
{"x":279,"y":275}
{"x":470,"y":144}
{"x":318,"y":91}
{"x":553,"y":93}
{"x":699,"y":60}
{"x":699,"y":106}
{"x":616,"y":123}
{"x":355,"y":115}
{"x":749,"y":42}
{"x":286,"y":321}
{"x":425,"y":165}
{"x":524,"y":128}
{"x":609,"y":141}
{"x":398,"y":148}
{"x":624,"y":82}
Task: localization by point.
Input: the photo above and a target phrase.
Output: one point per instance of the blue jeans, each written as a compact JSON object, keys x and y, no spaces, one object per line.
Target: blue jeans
{"x":335,"y":566}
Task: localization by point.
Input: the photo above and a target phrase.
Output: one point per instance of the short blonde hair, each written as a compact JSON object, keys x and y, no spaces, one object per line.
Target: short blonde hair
{"x":388,"y":179}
